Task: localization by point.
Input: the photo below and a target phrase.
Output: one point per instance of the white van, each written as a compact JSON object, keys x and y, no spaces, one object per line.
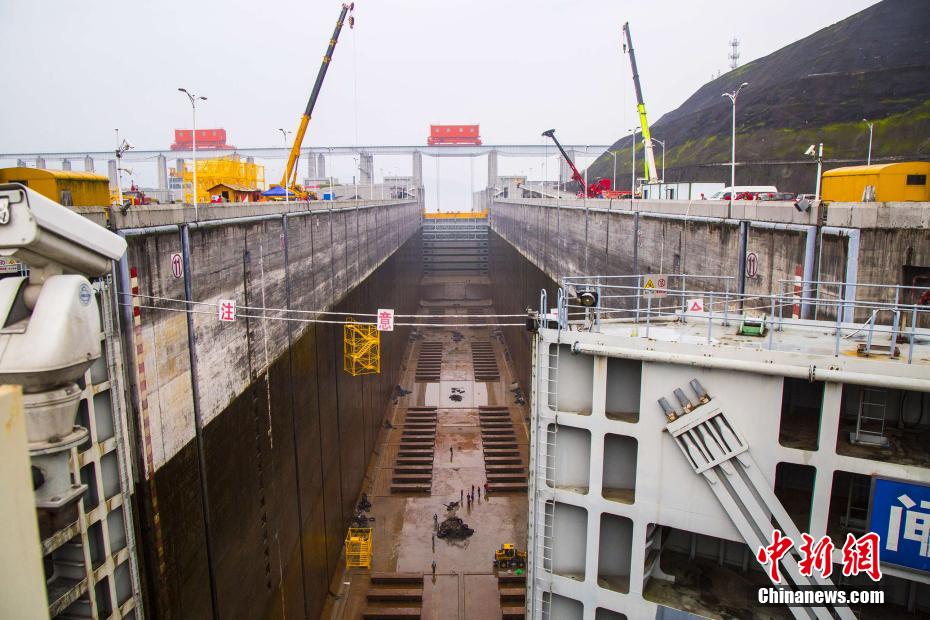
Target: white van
{"x":724,"y":194}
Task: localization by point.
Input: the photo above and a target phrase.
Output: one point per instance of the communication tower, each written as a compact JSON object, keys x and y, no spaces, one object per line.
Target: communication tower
{"x":734,"y":53}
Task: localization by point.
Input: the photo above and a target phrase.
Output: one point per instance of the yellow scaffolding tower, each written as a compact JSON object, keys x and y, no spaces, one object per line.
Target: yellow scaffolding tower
{"x":361,"y":347}
{"x":358,"y":547}
{"x":229,"y":170}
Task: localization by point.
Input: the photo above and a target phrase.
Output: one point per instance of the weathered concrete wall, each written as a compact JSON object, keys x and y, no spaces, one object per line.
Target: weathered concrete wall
{"x":286,"y":434}
{"x":329,"y":252}
{"x":515,"y":286}
{"x":698,"y":237}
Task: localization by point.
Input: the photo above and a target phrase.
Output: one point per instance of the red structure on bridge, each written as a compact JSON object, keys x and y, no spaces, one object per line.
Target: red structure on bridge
{"x":453,"y":135}
{"x":207,"y":139}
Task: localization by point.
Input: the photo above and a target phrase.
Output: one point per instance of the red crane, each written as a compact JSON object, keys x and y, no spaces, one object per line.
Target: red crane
{"x":595,"y":189}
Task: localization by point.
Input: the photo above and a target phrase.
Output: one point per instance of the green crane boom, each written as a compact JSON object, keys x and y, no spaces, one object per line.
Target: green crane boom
{"x":649,"y":161}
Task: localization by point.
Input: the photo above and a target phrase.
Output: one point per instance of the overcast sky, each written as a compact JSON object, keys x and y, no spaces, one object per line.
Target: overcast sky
{"x":76,"y":70}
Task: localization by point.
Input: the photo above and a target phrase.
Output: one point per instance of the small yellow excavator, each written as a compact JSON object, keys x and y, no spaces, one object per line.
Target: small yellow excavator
{"x":509,"y":557}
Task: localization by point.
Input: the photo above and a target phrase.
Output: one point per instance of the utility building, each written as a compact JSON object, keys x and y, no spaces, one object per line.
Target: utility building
{"x":899,"y":182}
{"x":69,"y":188}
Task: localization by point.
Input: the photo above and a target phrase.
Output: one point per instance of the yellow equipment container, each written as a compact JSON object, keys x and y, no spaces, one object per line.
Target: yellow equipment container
{"x":230,"y":171}
{"x":898,"y":182}
{"x":455,"y":215}
{"x":361,"y":345}
{"x":358,"y":547}
{"x":68,"y":188}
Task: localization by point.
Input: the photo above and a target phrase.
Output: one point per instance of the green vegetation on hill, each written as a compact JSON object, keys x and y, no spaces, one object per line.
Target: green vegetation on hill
{"x":874,"y":64}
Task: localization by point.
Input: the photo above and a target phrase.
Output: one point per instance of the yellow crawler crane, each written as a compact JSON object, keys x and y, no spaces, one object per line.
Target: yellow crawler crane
{"x":289,"y":179}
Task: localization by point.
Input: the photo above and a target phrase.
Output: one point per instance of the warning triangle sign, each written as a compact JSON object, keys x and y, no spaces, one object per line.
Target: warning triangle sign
{"x":696,"y":307}
{"x":649,"y":284}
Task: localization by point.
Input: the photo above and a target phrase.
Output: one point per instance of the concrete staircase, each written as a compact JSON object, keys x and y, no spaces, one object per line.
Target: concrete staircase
{"x":484,"y":361}
{"x":394,"y":595}
{"x":429,"y":361}
{"x":413,"y":466}
{"x":504,"y":467}
{"x":512,"y":590}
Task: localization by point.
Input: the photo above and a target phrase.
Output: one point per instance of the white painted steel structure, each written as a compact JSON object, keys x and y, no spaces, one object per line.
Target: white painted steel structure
{"x":611,"y":492}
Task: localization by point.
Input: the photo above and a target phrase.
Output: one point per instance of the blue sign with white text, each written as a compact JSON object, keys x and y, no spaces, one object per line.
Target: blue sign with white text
{"x":901,"y":517}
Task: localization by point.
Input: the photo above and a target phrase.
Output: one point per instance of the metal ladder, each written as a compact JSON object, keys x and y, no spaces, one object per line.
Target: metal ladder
{"x":870,"y":419}
{"x":715,"y":450}
{"x":857,"y":503}
{"x":547,"y":398}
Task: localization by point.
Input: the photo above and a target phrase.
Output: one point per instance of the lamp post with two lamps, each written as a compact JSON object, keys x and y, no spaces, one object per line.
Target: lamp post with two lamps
{"x":194,"y":98}
{"x":732,"y":96}
{"x":284,"y":134}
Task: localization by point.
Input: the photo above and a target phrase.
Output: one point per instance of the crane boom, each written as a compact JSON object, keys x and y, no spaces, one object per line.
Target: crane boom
{"x":290,"y":170}
{"x":650,"y":160}
{"x":576,"y":176}
{"x":597,"y":189}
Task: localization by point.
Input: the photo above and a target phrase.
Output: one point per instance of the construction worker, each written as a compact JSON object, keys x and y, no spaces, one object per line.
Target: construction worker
{"x":479,"y":493}
{"x":450,"y":453}
{"x":472,"y":490}
{"x":435,"y":521}
{"x":434,"y":542}
{"x":434,"y":568}
{"x":462,"y":496}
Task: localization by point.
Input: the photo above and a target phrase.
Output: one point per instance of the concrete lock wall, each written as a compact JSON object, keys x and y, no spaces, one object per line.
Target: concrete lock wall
{"x":286,"y":434}
{"x":516,"y":286}
{"x":866,"y":242}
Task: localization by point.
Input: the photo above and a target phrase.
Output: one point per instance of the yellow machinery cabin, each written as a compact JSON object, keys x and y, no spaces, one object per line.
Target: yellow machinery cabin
{"x":71,"y":189}
{"x":898,"y":182}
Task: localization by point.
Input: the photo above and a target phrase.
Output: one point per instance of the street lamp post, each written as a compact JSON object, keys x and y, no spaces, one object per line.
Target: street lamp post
{"x":332,"y":179}
{"x":194,"y":99}
{"x":284,"y":134}
{"x":871,"y":126}
{"x":732,"y":96}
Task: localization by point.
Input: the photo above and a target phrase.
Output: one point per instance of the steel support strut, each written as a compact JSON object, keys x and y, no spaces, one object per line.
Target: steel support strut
{"x":715,"y":450}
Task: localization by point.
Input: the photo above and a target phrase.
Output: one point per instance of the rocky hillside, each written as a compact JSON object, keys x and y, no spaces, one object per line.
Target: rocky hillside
{"x":874,"y":64}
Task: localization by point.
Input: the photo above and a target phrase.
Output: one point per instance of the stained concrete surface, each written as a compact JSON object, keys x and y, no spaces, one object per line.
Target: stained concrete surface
{"x":284,"y":466}
{"x":465,"y":585}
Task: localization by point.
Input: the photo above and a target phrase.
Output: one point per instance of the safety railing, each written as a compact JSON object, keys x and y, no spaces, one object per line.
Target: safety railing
{"x":877,"y":317}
